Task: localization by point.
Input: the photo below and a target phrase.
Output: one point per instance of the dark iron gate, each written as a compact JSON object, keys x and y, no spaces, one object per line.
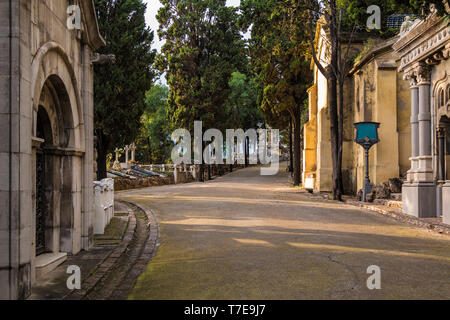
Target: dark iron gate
{"x":41,"y":207}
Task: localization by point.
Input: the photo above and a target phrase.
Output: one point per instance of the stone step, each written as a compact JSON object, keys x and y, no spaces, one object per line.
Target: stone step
{"x":48,"y":262}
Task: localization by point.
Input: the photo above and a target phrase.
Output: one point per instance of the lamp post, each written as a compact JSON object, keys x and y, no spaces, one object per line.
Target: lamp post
{"x":367,"y":136}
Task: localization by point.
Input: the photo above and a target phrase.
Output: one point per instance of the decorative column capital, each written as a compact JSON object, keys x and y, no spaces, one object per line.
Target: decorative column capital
{"x":423,"y":74}
{"x":446,"y":51}
{"x":411,"y":77}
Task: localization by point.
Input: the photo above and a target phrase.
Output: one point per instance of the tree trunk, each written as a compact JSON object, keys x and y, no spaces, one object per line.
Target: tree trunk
{"x":297,"y":153}
{"x":149,"y":157}
{"x":291,"y":154}
{"x":333,"y":103}
{"x":340,"y":136}
{"x":334,"y":132}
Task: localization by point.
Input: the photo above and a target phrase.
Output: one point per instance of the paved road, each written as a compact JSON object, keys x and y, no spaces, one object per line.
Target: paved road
{"x":246,"y":236}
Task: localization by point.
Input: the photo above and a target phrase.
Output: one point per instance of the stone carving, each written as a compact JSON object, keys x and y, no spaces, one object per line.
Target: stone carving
{"x":133,"y":152}
{"x":116,"y":165}
{"x":447,"y":6}
{"x":446,"y":52}
{"x":423,"y":74}
{"x":406,"y":26}
{"x":433,"y":10}
{"x":410,"y":76}
{"x":98,"y":58}
{"x":426,"y":46}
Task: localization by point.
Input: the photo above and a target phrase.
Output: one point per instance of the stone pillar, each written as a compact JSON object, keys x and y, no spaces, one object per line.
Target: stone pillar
{"x":446,"y":203}
{"x":133,"y":152}
{"x":419,"y":195}
{"x":126,"y":155}
{"x":414,"y":125}
{"x":425,"y":170}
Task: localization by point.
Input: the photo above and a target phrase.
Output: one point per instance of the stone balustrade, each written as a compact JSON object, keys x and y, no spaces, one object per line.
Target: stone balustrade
{"x":103,"y":204}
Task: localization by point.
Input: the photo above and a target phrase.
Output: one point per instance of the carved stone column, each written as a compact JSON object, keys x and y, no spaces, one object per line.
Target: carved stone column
{"x":425,"y":170}
{"x":419,"y":196}
{"x":410,"y":76}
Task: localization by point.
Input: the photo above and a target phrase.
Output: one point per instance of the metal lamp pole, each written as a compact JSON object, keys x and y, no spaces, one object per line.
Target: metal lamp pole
{"x":366,"y":136}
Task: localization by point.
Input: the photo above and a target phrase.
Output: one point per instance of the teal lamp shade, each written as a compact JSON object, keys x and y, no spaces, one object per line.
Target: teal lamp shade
{"x":366,"y":132}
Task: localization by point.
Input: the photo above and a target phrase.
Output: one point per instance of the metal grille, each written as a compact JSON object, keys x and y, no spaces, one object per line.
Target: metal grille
{"x":41,"y":209}
{"x":395,"y":21}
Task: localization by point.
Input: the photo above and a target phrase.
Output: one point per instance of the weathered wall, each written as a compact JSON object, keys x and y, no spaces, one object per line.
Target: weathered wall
{"x":381,"y":95}
{"x":38,"y":51}
{"x":374,"y":92}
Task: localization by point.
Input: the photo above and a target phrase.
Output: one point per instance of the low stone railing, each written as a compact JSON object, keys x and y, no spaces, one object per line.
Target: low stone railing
{"x":103,"y":204}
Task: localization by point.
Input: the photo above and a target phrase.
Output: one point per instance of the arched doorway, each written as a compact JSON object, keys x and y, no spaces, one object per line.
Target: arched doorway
{"x":43,"y":208}
{"x":54,"y":169}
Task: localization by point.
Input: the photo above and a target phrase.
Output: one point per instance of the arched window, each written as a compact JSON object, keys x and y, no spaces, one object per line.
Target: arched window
{"x":441,"y":98}
{"x":448,"y":93}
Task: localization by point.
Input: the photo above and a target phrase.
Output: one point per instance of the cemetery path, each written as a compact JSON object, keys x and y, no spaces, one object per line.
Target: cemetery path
{"x":247,"y":236}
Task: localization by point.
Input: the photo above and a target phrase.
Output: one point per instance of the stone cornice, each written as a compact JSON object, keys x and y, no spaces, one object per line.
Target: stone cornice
{"x":92,"y":31}
{"x":384,"y":47}
{"x":424,"y":42}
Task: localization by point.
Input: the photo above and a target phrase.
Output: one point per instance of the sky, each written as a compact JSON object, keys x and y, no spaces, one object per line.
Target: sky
{"x":152,"y":9}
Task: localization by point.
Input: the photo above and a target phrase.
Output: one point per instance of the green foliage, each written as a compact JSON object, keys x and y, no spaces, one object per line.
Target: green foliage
{"x":278,"y":48}
{"x":120,"y":88}
{"x":154,"y":144}
{"x":354,"y":13}
{"x":242,"y":103}
{"x":203,"y":47}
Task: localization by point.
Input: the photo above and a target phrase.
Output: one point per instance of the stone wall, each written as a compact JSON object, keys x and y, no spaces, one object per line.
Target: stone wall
{"x":45,"y":69}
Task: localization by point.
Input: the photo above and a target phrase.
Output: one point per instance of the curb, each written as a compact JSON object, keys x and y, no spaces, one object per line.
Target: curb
{"x":402,"y":217}
{"x":147,"y":252}
{"x":102,"y":269}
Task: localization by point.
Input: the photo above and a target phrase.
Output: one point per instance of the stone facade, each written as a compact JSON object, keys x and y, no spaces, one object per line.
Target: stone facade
{"x":425,"y":62}
{"x":381,"y":95}
{"x":317,"y":163}
{"x":373,"y":91}
{"x":46,"y":147}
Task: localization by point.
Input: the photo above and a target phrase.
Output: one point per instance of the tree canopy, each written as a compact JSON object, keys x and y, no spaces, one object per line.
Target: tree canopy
{"x":203,"y":47}
{"x":120,"y":88}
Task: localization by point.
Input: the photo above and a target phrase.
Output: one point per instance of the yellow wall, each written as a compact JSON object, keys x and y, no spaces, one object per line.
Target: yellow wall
{"x":374,"y":92}
{"x":310,"y":136}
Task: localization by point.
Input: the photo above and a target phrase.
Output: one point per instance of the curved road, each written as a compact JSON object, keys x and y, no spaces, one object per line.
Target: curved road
{"x":247,"y":236}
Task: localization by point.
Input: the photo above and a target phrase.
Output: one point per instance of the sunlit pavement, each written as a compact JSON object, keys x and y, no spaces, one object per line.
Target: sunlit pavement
{"x":247,"y":236}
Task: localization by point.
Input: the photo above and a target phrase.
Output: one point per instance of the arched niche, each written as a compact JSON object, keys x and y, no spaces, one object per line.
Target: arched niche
{"x":59,"y":134}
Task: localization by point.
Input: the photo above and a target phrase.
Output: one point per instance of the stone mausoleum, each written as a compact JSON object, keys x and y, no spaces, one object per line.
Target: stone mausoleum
{"x":424,"y":50}
{"x":46,"y":137}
